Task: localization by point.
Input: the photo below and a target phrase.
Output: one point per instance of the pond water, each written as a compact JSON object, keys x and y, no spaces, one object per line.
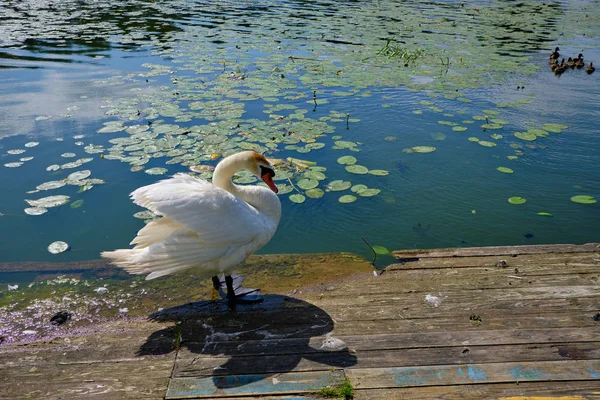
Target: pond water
{"x":430,"y":97}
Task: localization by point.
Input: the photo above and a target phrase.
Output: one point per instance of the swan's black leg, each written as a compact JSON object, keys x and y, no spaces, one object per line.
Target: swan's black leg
{"x":235,"y":292}
{"x":230,"y":291}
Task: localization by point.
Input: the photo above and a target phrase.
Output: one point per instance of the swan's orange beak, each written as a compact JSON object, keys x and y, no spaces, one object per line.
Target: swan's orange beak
{"x":268,"y":178}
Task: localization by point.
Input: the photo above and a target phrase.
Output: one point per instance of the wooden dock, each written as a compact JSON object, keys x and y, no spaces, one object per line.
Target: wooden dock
{"x":476,"y":323}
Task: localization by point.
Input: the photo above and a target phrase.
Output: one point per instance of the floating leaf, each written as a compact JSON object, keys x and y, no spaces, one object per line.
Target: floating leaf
{"x":318,"y":175}
{"x":36,"y":210}
{"x":485,"y":143}
{"x":77,"y":203}
{"x":517,"y":200}
{"x":473,"y":139}
{"x":53,"y":167}
{"x":358,"y":188}
{"x":357,"y":169}
{"x":438,"y":136}
{"x":58,"y":247}
{"x":505,"y":170}
{"x":554,"y":128}
{"x":16,"y":151}
{"x":297,"y":198}
{"x":156,"y":171}
{"x":315,"y":193}
{"x":526,"y":136}
{"x":306,"y":183}
{"x":380,"y":250}
{"x":544,"y":214}
{"x":459,"y":128}
{"x":492,"y":126}
{"x":337,"y":186}
{"x":68,"y":155}
{"x":347,"y":160}
{"x":348,"y":198}
{"x":79,"y":175}
{"x":51,"y":185}
{"x":538,"y":132}
{"x":423,"y":149}
{"x":31,"y":144}
{"x":50,"y":201}
{"x":13,"y":164}
{"x":378,"y":172}
{"x":583,"y":199}
{"x":369,"y":192}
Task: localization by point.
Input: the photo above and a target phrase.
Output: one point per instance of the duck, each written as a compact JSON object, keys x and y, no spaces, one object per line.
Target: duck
{"x":570,"y":63}
{"x":560,"y":68}
{"x":209,"y":228}
{"x":555,"y":54}
{"x":590,"y":69}
{"x":579,"y":63}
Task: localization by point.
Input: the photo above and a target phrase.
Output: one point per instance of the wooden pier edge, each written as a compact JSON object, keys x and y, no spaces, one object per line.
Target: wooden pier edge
{"x":516,"y":322}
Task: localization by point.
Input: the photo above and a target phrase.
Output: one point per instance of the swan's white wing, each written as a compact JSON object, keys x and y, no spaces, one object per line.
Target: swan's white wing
{"x":215,"y":215}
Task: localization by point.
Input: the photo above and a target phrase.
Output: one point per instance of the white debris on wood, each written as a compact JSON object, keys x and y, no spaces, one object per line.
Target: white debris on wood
{"x":433,"y":300}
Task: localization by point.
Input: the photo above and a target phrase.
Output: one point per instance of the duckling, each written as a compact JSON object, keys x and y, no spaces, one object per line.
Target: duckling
{"x":570,"y":63}
{"x":579,"y":61}
{"x":561,"y":68}
{"x":590,"y":68}
{"x":556,"y":65}
{"x":555,"y":54}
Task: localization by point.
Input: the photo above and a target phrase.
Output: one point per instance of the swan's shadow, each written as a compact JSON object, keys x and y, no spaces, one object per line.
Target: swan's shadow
{"x":250,"y":344}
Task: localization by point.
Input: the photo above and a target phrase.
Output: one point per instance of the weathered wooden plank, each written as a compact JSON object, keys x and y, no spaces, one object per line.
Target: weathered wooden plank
{"x":252,"y":385}
{"x":499,"y":250}
{"x":120,"y":380}
{"x":564,"y":390}
{"x":437,"y":375}
{"x":507,"y":319}
{"x":459,"y":279}
{"x":557,"y":260}
{"x":458,"y":297}
{"x":187,"y":365}
{"x":449,"y":261}
{"x":396,"y":341}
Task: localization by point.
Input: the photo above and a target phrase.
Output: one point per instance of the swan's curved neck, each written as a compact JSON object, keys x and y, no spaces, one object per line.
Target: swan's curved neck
{"x":224,"y":172}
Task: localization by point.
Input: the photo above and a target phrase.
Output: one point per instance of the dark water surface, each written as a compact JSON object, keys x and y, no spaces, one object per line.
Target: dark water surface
{"x":68,"y":67}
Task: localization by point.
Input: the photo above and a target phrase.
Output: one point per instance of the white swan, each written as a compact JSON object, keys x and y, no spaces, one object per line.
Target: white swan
{"x":208,"y":227}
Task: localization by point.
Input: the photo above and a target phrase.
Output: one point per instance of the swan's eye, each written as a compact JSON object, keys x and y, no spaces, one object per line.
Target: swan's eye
{"x":265,"y":170}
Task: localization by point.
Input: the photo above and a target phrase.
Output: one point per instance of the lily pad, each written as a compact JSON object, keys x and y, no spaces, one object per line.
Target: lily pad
{"x":357,"y":169}
{"x":423,"y":149}
{"x":369,"y":192}
{"x":51,"y":185}
{"x":554,"y":128}
{"x":348,"y":198}
{"x":544,"y":214}
{"x":68,"y":155}
{"x":58,"y":247}
{"x":583,"y":199}
{"x":77,"y":203}
{"x":378,"y":172}
{"x":79,"y":175}
{"x":53,"y":167}
{"x":297,"y":198}
{"x":338,"y":186}
{"x":16,"y":164}
{"x":50,"y":201}
{"x":347,"y":160}
{"x":517,"y":200}
{"x":485,"y":143}
{"x":307,"y":184}
{"x":529,"y":136}
{"x":36,"y":210}
{"x":505,"y":170}
{"x":156,"y":171}
{"x":31,"y":144}
{"x":315,"y":193}
{"x":459,"y":128}
{"x":380,"y":250}
{"x":358,"y":188}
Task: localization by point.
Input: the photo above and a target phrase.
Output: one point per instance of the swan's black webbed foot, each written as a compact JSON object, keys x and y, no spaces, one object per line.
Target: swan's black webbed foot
{"x":236,"y":293}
